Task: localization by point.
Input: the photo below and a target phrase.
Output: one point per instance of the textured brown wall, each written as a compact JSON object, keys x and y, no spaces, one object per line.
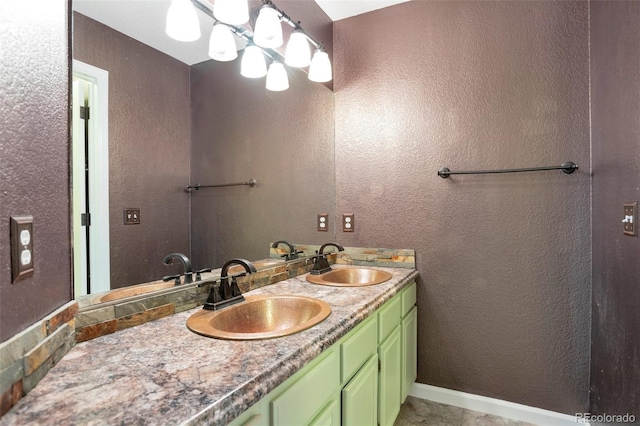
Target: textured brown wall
{"x":615,"y":83}
{"x":282,"y":139}
{"x":504,"y":295}
{"x":149,"y":131}
{"x":34,"y":150}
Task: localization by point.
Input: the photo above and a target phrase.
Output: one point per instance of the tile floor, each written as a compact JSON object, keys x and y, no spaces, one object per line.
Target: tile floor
{"x":417,"y":411}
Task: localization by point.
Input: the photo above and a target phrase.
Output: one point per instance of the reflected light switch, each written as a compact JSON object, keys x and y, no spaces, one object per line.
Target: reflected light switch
{"x":132,"y":216}
{"x":630,"y":219}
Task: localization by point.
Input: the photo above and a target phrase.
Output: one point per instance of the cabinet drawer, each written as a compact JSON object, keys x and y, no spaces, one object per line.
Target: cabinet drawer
{"x":388,"y":318}
{"x":299,"y":403}
{"x":408,"y":298}
{"x":357,"y":349}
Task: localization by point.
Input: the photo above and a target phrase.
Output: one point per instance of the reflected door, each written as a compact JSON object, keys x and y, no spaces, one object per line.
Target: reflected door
{"x":90,"y":179}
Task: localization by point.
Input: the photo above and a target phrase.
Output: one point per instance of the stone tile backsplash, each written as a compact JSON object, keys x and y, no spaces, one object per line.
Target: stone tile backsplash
{"x":29,"y":355}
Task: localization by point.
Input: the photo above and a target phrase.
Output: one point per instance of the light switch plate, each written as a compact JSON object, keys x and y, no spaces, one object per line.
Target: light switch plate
{"x":132,"y":216}
{"x":21,"y":247}
{"x":323,"y":222}
{"x":630,"y":221}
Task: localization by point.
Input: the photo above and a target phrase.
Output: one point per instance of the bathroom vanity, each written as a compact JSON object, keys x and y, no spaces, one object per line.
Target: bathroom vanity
{"x":360,"y":380}
{"x":357,"y":363}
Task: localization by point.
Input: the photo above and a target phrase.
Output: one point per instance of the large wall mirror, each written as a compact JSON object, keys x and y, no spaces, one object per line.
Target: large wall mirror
{"x":170,"y":121}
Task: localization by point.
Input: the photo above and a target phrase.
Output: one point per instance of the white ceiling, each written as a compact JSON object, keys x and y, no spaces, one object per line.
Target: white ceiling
{"x":144,"y":20}
{"x":341,"y":9}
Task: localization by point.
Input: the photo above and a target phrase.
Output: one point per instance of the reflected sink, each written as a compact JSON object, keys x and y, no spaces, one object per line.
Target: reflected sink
{"x":350,"y":277}
{"x":158,"y":285}
{"x":259,"y":264}
{"x":134,"y":291}
{"x":260,"y":317}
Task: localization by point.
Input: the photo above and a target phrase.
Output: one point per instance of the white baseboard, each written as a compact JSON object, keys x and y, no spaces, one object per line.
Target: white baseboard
{"x":493,"y":406}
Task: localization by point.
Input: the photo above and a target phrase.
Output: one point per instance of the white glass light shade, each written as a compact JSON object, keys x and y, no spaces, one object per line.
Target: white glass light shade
{"x":320,"y":68}
{"x":277,"y":79}
{"x":298,"y":53}
{"x":268,"y":28}
{"x":222,"y":46}
{"x":232,"y":12}
{"x":253,"y":64}
{"x":182,"y":21}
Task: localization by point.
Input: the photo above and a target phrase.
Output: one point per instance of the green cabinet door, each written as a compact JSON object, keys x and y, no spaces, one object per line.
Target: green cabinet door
{"x":330,"y":415}
{"x":389,"y":394}
{"x":360,"y":396}
{"x":409,"y":351}
{"x":304,"y":399}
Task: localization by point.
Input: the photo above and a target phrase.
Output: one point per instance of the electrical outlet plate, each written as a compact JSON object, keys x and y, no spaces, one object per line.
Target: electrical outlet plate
{"x":21,"y":247}
{"x":630,"y":221}
{"x":132,"y":216}
{"x":348,"y":222}
{"x":323,"y":222}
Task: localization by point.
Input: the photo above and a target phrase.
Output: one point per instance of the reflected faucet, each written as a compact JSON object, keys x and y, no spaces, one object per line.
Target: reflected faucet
{"x":228,"y":293}
{"x":186,"y":265}
{"x":293,"y":253}
{"x":321,"y":264}
{"x":336,"y":245}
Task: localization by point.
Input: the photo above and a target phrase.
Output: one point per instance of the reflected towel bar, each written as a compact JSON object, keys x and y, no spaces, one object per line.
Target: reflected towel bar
{"x":252,"y":182}
{"x":567,"y":167}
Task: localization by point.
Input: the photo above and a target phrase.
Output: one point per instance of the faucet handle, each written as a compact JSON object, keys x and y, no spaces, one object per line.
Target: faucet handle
{"x":172,"y":277}
{"x":200,"y":271}
{"x":293,"y":255}
{"x":242,"y":274}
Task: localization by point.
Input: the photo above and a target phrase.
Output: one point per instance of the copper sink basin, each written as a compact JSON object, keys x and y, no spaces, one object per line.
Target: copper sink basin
{"x":350,"y":277}
{"x":134,"y":291}
{"x":260,"y":317}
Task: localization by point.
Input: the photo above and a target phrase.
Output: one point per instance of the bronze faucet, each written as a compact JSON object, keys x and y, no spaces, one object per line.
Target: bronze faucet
{"x":228,"y":293}
{"x":293,"y":253}
{"x":321,"y":264}
{"x":186,"y":265}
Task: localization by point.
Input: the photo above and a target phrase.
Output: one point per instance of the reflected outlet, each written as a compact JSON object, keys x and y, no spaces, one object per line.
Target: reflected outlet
{"x":323,"y":222}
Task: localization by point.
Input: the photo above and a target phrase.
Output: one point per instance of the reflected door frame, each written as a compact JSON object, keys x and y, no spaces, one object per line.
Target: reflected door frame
{"x":96,"y":81}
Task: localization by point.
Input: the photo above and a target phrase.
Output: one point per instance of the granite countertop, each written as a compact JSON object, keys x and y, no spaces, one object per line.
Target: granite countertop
{"x":162,"y":373}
